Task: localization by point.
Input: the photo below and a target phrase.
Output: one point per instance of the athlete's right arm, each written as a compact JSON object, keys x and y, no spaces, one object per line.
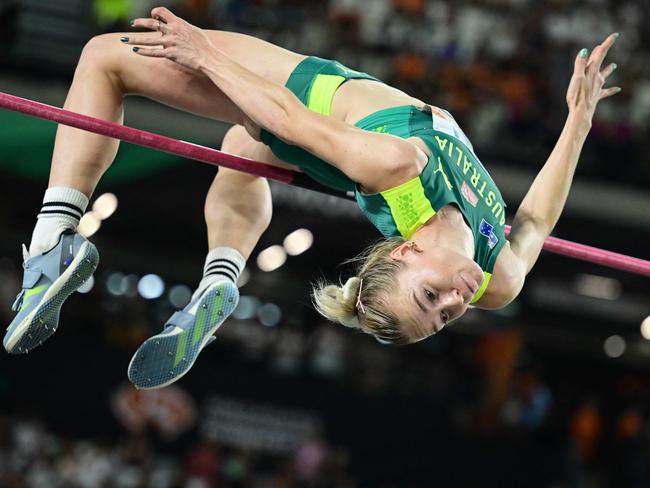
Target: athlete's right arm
{"x":376,"y":161}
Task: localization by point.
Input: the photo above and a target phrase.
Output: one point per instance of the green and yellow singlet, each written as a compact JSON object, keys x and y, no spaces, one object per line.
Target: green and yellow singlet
{"x":452,"y":175}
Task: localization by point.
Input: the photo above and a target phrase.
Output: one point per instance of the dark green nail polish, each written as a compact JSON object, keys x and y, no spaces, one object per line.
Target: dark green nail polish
{"x":136,"y":49}
{"x":614,"y":66}
{"x":124,"y":39}
{"x":584,"y":52}
{"x":131,"y":22}
{"x":616,"y":35}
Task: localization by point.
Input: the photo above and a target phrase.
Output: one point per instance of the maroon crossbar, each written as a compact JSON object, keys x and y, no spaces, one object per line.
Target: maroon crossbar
{"x":218,"y":158}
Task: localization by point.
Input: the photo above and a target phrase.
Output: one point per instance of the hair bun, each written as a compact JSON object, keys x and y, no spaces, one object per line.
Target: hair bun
{"x":351,"y":290}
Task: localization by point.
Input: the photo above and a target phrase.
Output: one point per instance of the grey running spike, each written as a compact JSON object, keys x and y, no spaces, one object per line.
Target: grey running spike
{"x":204,"y":306}
{"x":157,"y":343}
{"x":170,"y":353}
{"x":231,"y":299}
{"x":220,"y":314}
{"x":217,"y":293}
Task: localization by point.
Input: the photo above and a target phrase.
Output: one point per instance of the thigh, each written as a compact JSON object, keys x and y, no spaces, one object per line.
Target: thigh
{"x":237,"y":141}
{"x":188,"y":90}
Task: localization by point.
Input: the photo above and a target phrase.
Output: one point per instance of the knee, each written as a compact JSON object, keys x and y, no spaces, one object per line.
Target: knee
{"x":237,"y":141}
{"x":101,"y":53}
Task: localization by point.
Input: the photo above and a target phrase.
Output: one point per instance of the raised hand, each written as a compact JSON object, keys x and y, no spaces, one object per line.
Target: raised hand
{"x":176,"y":39}
{"x":586,"y":88}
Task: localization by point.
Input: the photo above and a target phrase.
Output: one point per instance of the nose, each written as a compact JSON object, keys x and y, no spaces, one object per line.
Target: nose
{"x":454,"y":298}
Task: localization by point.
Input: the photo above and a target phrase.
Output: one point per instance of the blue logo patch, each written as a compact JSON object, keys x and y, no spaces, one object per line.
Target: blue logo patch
{"x":487,"y":230}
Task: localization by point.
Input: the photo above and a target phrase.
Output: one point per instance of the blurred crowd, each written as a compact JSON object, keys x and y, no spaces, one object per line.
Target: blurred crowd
{"x":32,"y":456}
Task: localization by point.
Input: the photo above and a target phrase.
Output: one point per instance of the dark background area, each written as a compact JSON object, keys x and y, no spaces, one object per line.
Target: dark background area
{"x":534,"y":395}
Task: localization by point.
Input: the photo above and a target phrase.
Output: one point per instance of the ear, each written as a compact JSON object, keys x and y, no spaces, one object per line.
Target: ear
{"x":403,"y":251}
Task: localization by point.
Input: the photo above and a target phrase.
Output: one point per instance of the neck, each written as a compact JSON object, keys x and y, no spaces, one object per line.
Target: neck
{"x":447,"y":229}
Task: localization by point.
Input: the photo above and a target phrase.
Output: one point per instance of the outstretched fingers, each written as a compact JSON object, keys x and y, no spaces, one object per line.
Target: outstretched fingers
{"x":580,"y":64}
{"x":600,"y":52}
{"x":608,"y":92}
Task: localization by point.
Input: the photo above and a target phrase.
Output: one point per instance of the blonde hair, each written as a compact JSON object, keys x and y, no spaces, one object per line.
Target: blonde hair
{"x":361,"y":302}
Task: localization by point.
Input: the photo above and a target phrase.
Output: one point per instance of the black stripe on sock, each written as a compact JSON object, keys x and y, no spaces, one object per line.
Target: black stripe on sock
{"x":63,"y":204}
{"x":230,"y":276}
{"x":224,"y":263}
{"x":62,"y":212}
{"x":218,"y":267}
{"x":227,"y":261}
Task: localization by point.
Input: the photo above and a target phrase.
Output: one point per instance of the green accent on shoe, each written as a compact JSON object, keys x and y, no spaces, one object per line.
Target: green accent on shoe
{"x":181,"y":347}
{"x":201,"y":318}
{"x":31,"y":293}
{"x":216,"y":308}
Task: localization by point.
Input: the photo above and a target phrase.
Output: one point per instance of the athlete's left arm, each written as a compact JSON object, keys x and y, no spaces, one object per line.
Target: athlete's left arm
{"x":541,"y":207}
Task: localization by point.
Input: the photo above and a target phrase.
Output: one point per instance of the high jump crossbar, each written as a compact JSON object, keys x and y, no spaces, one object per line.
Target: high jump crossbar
{"x":217,"y":158}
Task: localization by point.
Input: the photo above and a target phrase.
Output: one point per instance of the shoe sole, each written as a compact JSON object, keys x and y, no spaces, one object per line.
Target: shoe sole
{"x":43,"y":321}
{"x":163,"y":359}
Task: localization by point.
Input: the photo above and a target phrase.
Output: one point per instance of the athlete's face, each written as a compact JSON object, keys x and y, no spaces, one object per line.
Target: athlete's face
{"x":435,"y":287}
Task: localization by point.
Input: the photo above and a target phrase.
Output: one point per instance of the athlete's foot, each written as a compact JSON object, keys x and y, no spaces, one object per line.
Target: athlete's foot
{"x":167,"y":356}
{"x":48,"y":280}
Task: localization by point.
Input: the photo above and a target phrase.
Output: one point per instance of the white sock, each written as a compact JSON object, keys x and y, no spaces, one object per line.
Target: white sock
{"x":221,"y":264}
{"x":62,"y":209}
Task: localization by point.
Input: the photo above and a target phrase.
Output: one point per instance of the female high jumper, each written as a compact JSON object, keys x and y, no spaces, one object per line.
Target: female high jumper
{"x":413,"y":171}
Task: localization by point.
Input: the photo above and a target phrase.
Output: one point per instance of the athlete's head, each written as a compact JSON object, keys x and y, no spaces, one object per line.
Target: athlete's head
{"x":403,"y":292}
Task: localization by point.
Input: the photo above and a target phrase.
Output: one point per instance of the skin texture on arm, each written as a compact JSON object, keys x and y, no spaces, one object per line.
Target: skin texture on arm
{"x":376,"y":161}
{"x":541,"y":207}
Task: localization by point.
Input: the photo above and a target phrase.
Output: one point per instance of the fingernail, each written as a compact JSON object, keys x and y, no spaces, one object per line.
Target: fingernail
{"x":584,"y":53}
{"x":618,"y":89}
{"x":131,"y":22}
{"x":124,"y":39}
{"x":136,"y":49}
{"x":614,"y":66}
{"x":616,"y":34}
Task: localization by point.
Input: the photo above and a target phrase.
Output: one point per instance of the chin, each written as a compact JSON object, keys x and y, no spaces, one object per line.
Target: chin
{"x":476,"y":273}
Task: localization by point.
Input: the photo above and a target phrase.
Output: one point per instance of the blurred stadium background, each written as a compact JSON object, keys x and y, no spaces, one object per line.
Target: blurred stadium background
{"x":552,"y":391}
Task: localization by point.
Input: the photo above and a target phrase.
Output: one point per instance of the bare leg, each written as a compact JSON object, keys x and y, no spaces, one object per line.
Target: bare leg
{"x":238,"y":206}
{"x":108,"y":70}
